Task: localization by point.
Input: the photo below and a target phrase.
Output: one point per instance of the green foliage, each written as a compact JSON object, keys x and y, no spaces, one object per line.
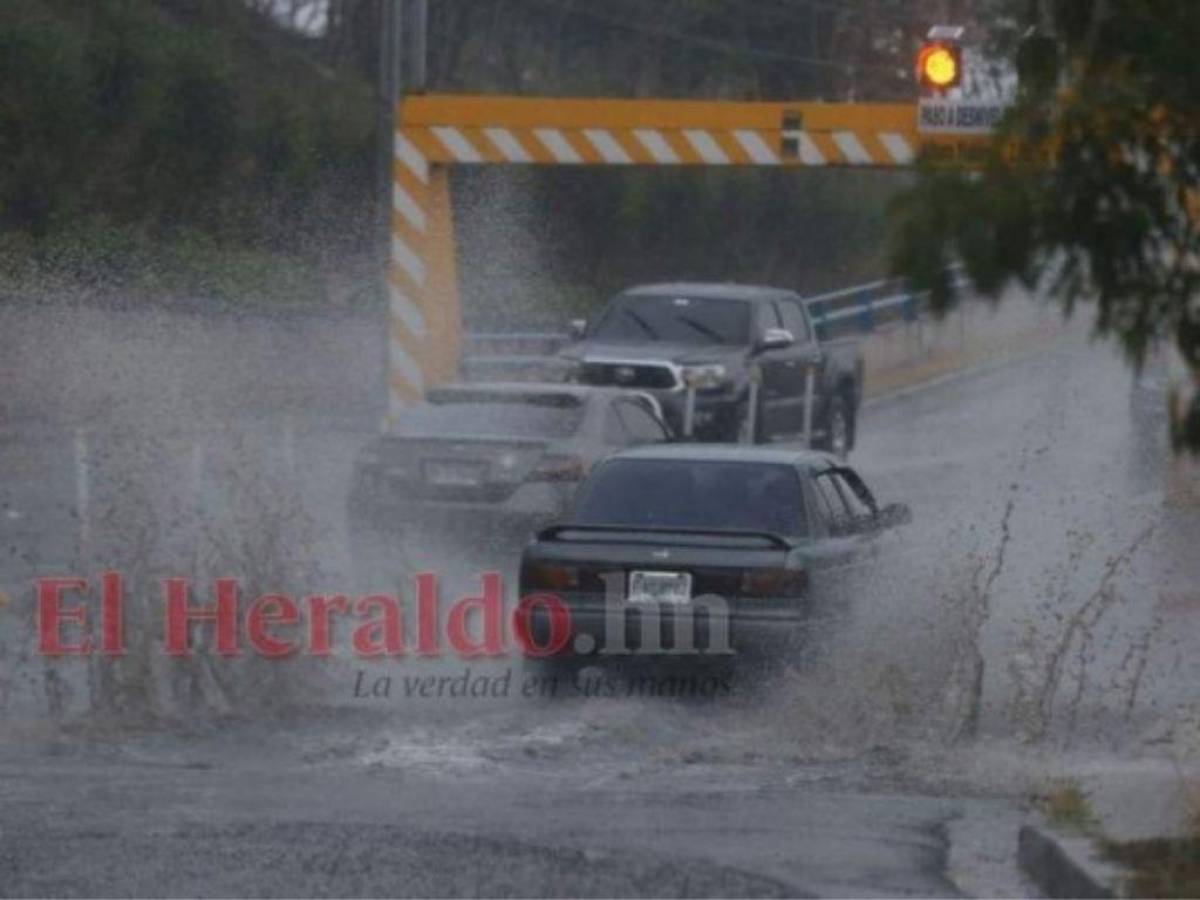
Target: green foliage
{"x":123,"y":263}
{"x":1066,"y":806}
{"x":765,"y":49}
{"x":194,"y":148}
{"x":127,"y":125}
{"x":1160,"y":868}
{"x":43,"y":86}
{"x":1114,"y":216}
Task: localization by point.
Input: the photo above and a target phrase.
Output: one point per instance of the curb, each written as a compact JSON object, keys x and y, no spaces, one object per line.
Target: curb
{"x":1064,"y":866}
{"x":982,"y":367}
{"x":982,"y":363}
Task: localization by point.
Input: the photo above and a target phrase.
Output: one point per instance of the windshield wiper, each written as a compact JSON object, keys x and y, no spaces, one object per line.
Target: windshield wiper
{"x":642,"y":323}
{"x":713,"y":336}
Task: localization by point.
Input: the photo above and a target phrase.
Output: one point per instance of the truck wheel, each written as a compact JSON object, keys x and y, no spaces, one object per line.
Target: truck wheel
{"x":851,"y":421}
{"x":741,"y":434}
{"x":839,"y":430}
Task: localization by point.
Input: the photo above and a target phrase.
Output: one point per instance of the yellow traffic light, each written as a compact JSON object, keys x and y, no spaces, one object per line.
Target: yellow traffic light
{"x":939,"y":66}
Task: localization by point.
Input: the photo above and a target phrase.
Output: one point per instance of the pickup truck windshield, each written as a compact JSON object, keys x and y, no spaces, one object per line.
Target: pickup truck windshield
{"x":678,"y":494}
{"x":632,"y":318}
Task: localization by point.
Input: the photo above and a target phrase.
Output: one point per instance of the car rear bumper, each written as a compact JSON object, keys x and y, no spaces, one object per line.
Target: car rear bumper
{"x":530,"y":505}
{"x":623,"y":629}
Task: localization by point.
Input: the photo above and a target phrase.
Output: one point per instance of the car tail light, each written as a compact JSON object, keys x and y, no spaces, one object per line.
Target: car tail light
{"x":559,"y":468}
{"x":766,"y":583}
{"x":549,"y":577}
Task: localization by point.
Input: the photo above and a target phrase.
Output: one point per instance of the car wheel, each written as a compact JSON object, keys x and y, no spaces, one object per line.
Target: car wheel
{"x":554,"y":676}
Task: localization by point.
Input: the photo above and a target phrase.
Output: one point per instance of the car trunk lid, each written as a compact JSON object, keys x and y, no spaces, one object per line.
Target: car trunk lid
{"x":461,"y":467}
{"x":715,"y":561}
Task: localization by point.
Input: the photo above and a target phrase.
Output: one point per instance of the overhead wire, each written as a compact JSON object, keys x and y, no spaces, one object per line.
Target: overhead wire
{"x":701,"y":41}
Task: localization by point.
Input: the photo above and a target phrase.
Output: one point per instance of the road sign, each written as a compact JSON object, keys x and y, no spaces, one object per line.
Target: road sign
{"x":937,"y":116}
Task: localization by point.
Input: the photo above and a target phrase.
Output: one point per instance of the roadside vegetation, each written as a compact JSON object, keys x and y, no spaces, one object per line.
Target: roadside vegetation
{"x":176,"y":151}
{"x":1066,"y":806}
{"x":222,"y":154}
{"x":232,"y":514}
{"x":1092,"y":189}
{"x":1161,"y":868}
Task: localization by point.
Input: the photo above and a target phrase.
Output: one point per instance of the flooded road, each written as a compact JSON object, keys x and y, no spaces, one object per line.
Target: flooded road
{"x":258,"y":813}
{"x":1040,"y":610}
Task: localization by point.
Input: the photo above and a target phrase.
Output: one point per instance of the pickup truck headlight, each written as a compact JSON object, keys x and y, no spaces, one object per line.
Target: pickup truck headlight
{"x":705,"y":378}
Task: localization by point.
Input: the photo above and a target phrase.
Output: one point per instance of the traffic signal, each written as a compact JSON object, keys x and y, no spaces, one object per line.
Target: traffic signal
{"x":940,"y":62}
{"x":940,"y":67}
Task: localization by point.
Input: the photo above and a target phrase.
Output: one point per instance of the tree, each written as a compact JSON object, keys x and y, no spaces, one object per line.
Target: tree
{"x":163,"y":136}
{"x":767,"y":49}
{"x":1093,"y":185}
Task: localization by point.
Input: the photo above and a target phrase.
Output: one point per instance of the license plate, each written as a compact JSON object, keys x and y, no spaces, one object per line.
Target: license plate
{"x":453,"y":474}
{"x":660,"y":587}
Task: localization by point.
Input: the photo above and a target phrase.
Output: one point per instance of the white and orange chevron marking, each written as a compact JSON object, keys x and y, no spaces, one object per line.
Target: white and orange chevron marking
{"x":422,"y":282}
{"x":452,"y":145}
{"x":439,"y":131}
{"x":473,"y":130}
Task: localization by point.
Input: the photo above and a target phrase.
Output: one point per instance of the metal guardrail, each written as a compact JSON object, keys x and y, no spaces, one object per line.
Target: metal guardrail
{"x":514,"y":356}
{"x":862,"y":309}
{"x":515,"y":343}
{"x":859,"y":310}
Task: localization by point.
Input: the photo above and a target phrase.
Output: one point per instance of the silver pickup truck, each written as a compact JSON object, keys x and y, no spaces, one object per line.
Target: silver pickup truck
{"x":726,"y":362}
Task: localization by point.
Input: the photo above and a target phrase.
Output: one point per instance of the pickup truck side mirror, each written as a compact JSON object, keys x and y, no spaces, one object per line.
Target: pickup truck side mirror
{"x":577,"y":329}
{"x":775,"y":339}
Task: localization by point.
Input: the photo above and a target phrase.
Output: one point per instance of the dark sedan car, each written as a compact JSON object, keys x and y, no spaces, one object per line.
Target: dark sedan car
{"x":696,"y":549}
{"x":517,"y":451}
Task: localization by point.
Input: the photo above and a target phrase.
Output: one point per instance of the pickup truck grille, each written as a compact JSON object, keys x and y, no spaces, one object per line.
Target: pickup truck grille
{"x":643,"y":376}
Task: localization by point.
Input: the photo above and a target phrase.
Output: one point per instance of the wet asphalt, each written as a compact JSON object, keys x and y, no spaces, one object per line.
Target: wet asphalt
{"x":897,"y":762}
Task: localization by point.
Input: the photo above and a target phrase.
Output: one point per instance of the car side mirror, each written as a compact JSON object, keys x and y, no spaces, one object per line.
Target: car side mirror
{"x":893,"y":515}
{"x":775,"y":339}
{"x":577,"y":329}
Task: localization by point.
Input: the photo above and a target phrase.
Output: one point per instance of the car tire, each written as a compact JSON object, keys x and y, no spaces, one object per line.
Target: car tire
{"x":732,"y":427}
{"x":839,"y":427}
{"x":741,"y":433}
{"x":556,"y":675}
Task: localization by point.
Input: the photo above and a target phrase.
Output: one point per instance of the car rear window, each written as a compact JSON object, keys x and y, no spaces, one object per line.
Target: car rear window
{"x":471,"y":414}
{"x":732,"y":496}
